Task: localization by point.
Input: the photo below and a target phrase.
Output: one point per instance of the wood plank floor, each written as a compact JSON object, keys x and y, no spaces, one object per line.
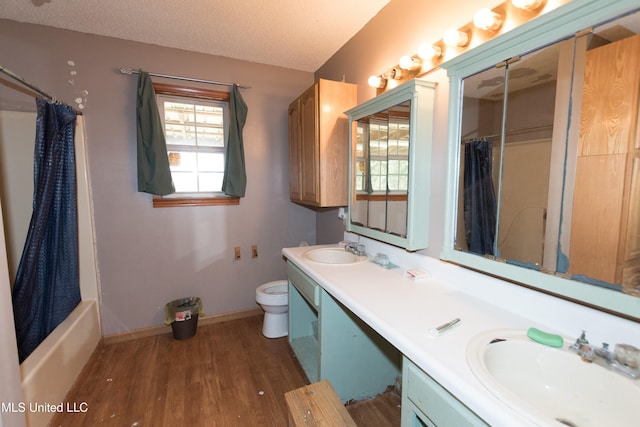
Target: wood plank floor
{"x":228,"y":374}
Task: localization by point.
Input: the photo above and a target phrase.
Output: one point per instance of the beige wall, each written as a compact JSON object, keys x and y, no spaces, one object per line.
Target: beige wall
{"x":147,"y":256}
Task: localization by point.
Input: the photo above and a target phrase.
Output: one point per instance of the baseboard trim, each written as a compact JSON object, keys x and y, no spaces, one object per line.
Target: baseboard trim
{"x":163,"y":329}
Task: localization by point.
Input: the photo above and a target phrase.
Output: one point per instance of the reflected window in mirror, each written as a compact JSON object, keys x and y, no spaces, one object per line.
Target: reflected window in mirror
{"x":388,"y":194}
{"x":382,"y":170}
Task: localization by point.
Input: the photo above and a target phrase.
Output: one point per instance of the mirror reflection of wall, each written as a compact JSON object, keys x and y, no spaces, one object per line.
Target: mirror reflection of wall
{"x":550,"y":159}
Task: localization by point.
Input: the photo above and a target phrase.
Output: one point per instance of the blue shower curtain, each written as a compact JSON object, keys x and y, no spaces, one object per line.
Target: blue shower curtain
{"x":479,"y":197}
{"x":47,"y":285}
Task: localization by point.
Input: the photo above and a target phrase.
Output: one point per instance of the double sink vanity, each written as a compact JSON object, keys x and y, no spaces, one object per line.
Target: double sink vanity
{"x":446,"y":303}
{"x":361,"y":326}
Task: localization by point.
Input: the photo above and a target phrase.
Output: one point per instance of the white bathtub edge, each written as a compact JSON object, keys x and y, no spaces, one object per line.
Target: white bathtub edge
{"x":51,"y":370}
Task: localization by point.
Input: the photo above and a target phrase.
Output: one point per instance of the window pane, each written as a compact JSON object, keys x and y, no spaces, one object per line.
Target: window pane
{"x":393,"y":182}
{"x":181,"y":161}
{"x":185,"y":182}
{"x":383,"y":183}
{"x":404,"y":167}
{"x":210,"y":136}
{"x":378,"y":148}
{"x":175,"y":112}
{"x":180,"y":134}
{"x":210,"y":162}
{"x":393,"y":167}
{"x":375,"y":167}
{"x":210,"y":181}
{"x":403,"y":183}
{"x":375,"y":182}
{"x":195,"y":135}
{"x":209,"y":115}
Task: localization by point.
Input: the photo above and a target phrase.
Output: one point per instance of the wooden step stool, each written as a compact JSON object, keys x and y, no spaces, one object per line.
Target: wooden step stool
{"x":317,"y":405}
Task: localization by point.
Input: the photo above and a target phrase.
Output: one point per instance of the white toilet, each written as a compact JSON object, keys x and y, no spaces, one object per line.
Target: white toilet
{"x":273,"y":297}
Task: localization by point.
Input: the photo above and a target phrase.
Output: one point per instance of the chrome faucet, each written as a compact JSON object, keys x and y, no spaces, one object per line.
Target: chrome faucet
{"x":357,"y":249}
{"x":624,"y":359}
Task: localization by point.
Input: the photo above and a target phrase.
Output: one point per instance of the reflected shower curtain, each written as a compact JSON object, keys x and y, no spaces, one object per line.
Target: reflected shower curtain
{"x":47,"y":285}
{"x":479,"y":197}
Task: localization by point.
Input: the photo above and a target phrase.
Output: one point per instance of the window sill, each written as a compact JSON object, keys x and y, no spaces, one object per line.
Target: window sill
{"x":391,"y":197}
{"x":172,"y":202}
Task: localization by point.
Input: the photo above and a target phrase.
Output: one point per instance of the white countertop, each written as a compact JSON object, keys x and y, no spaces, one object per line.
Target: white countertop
{"x":403,"y":312}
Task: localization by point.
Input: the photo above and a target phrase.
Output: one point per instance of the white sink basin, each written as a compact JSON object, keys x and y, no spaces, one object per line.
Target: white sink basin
{"x":552,"y":386}
{"x":336,"y":256}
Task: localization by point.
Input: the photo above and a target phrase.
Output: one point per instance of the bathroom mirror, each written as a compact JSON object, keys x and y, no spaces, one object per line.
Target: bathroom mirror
{"x":389,"y":134}
{"x":544,"y":156}
{"x":381,"y":170}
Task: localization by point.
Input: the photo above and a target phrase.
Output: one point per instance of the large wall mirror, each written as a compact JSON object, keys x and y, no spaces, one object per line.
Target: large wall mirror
{"x":389,"y":134}
{"x":544,"y":172}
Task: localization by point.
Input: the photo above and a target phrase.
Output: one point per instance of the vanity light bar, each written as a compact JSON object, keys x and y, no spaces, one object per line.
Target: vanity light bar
{"x":487,"y":23}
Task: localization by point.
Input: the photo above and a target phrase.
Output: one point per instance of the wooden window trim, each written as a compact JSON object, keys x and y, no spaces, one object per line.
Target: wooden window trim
{"x":170,"y":202}
{"x":382,"y":197}
{"x":198,"y":93}
{"x":191,"y":92}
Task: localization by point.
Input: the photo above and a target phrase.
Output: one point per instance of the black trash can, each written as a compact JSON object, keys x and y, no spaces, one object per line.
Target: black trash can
{"x":182,"y":314}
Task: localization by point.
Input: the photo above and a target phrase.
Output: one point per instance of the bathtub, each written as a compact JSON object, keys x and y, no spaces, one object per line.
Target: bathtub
{"x":50,"y":371}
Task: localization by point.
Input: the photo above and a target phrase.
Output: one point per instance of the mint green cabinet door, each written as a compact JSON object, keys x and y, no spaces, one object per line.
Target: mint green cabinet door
{"x":332,"y":343}
{"x":357,"y":361}
{"x":427,"y":403}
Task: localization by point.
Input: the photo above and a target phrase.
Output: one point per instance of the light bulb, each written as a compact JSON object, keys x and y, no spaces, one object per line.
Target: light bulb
{"x":487,"y":20}
{"x":455,"y":37}
{"x":409,"y":63}
{"x":427,"y":51}
{"x":377,"y":82}
{"x":527,"y":4}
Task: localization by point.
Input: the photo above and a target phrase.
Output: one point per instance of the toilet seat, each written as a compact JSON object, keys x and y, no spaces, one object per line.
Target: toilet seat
{"x":273,"y":293}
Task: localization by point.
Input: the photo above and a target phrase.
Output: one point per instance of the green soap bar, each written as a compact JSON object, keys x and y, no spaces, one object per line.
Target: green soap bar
{"x":552,"y":340}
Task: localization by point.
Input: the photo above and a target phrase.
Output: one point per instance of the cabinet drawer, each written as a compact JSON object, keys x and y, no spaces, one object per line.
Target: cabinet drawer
{"x":434,"y":401}
{"x":309,"y":289}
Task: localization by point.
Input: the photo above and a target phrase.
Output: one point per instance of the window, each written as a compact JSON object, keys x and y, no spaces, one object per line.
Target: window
{"x":195,"y":125}
{"x":387,"y":144}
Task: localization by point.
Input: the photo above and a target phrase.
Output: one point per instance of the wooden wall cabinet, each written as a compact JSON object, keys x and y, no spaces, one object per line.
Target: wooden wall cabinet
{"x":605,"y":231}
{"x":319,"y":144}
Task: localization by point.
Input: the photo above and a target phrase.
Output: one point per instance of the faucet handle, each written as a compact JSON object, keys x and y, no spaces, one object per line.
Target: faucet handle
{"x":580,"y":341}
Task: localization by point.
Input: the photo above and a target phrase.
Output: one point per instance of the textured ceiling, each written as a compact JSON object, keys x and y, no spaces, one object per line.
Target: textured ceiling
{"x":297,"y":34}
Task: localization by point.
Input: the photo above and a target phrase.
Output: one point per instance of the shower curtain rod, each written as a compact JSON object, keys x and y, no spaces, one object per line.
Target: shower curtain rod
{"x":508,"y":132}
{"x":167,"y":76}
{"x":27,"y":84}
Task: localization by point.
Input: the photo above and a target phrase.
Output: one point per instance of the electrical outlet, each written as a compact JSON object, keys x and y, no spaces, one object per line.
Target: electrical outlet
{"x":236,"y":253}
{"x":254,"y":251}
